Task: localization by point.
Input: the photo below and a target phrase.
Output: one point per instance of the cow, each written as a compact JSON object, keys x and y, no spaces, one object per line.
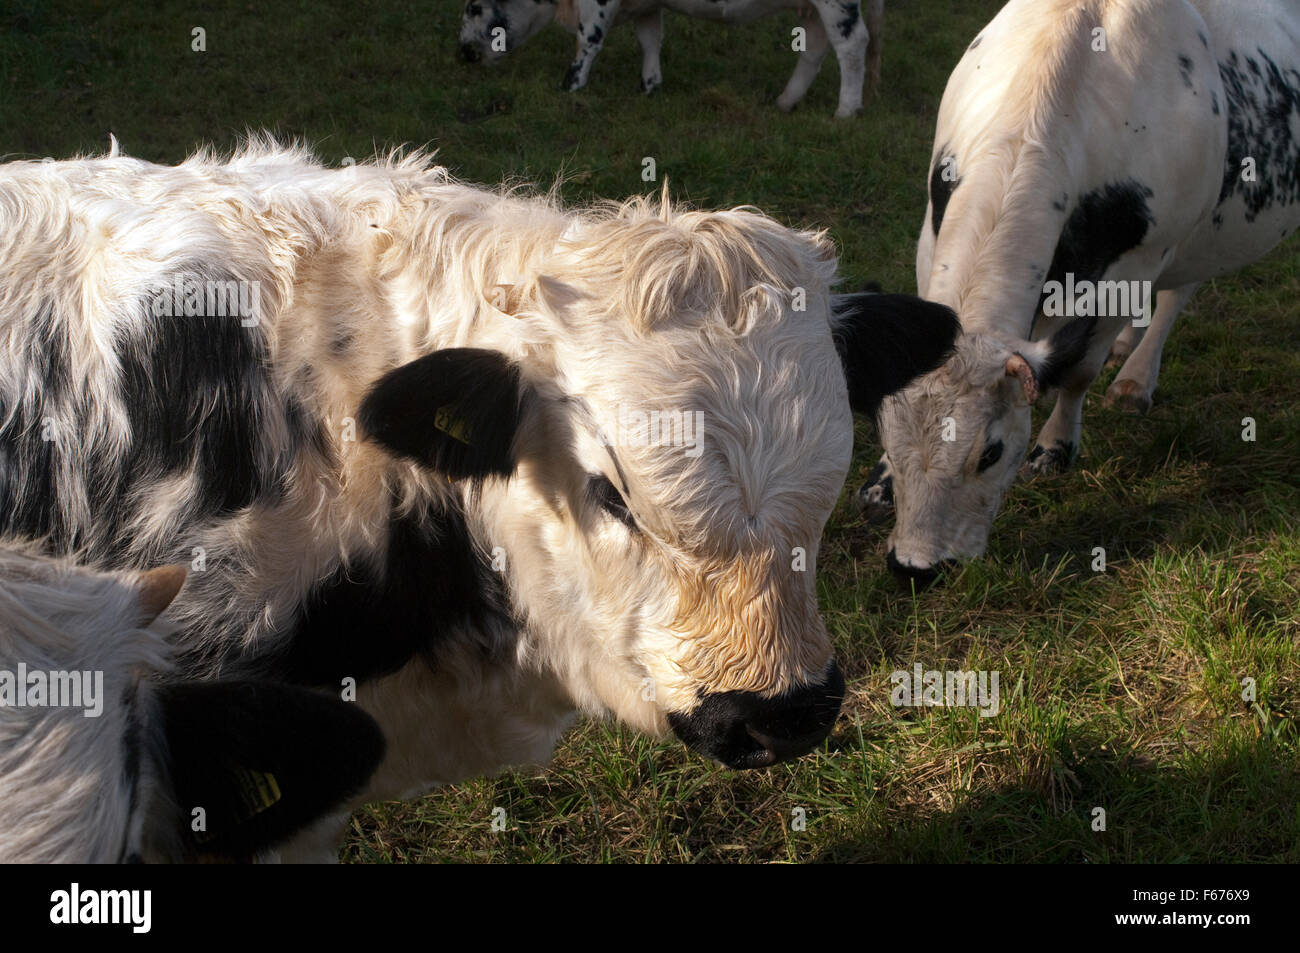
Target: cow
{"x":1083,"y":148}
{"x":486,"y":461}
{"x":491,"y":28}
{"x":104,"y":757}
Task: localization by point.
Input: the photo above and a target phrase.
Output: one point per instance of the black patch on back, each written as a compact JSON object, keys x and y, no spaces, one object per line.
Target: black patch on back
{"x":28,"y":461}
{"x":941,"y":189}
{"x":371,"y":618}
{"x":975,"y":42}
{"x":885,"y":341}
{"x":1185,"y":67}
{"x":1263,"y":108}
{"x":194,"y":388}
{"x":1105,"y":224}
{"x":263,"y":760}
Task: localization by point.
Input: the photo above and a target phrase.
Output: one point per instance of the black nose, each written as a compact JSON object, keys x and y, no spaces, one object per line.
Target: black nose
{"x":469,"y":53}
{"x":746,"y":730}
{"x":922,"y":576}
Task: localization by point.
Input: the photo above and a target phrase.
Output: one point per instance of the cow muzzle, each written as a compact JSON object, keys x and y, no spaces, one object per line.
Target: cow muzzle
{"x":922,"y":577}
{"x":747,"y":730}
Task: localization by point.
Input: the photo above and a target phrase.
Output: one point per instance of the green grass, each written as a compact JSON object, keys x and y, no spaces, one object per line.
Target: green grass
{"x":1121,"y":690}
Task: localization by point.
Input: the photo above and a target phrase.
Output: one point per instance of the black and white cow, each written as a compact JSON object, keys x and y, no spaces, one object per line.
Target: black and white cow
{"x":104,"y":758}
{"x":1083,"y":148}
{"x":489,"y":461}
{"x":491,"y":28}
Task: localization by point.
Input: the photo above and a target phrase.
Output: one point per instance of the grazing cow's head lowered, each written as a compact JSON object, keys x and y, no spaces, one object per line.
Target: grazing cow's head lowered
{"x":955,"y":438}
{"x":489,"y":29}
{"x":653,"y":414}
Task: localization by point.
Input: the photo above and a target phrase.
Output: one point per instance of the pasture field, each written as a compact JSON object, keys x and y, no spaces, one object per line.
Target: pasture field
{"x":1121,"y":690}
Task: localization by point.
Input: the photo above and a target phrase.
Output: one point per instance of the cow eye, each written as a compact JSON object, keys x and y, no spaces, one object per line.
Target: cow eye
{"x":605,"y":495}
{"x":991,"y":455}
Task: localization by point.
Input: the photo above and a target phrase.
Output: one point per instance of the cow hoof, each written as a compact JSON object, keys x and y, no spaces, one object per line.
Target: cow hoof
{"x":875,"y":502}
{"x":847,"y":112}
{"x":786,"y":105}
{"x":572,"y":81}
{"x":1044,"y":461}
{"x":1128,"y":395}
{"x":648,"y":86}
{"x":1119,"y":353}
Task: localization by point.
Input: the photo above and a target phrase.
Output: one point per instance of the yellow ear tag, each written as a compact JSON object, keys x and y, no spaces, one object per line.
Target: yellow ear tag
{"x":451,"y":426}
{"x":257,"y":789}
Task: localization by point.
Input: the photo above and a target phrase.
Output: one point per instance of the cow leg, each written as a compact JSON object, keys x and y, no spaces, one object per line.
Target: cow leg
{"x":1134,"y":387}
{"x":1058,"y":441}
{"x":594,"y":20}
{"x":1128,"y":339}
{"x":816,"y":43}
{"x":848,"y":36}
{"x":874,"y":11}
{"x":650,"y":34}
{"x":876,"y":497}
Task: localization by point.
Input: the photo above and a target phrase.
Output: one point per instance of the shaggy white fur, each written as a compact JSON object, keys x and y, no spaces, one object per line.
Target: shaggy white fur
{"x":638,"y":306}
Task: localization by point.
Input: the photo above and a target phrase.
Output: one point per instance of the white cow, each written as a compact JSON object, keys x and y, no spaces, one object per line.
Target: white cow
{"x":1082,"y":146}
{"x":486,"y":461}
{"x":105,"y":758}
{"x":491,"y":28}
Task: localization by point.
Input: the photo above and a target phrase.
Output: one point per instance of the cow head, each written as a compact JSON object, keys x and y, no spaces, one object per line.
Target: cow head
{"x":955,"y":439}
{"x":491,"y":28}
{"x":119,"y":775}
{"x":652,"y":429}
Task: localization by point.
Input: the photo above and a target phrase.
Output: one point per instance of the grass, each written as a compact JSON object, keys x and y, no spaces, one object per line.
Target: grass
{"x":1121,"y":690}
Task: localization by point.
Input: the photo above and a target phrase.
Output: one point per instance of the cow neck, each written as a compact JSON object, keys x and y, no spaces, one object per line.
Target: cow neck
{"x":993,"y":253}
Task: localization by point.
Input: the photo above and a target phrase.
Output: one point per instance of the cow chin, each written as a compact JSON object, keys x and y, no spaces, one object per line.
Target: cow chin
{"x":747,"y":730}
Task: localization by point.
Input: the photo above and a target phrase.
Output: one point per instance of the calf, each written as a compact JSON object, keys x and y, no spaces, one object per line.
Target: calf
{"x":491,"y":28}
{"x":486,"y":461}
{"x":1083,"y":149}
{"x":102,"y":761}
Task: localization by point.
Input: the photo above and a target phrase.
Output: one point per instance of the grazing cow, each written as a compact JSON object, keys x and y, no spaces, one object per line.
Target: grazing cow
{"x":102,"y":761}
{"x":491,"y":28}
{"x":488,"y":461}
{"x":1087,"y":151}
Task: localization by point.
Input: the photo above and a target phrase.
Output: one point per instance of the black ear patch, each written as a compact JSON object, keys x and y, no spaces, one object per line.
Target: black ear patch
{"x":887,"y":340}
{"x":262,"y":760}
{"x":455,"y":411}
{"x":1066,"y":348}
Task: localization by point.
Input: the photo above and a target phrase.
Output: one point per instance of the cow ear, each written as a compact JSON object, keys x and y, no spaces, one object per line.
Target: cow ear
{"x":156,"y":588}
{"x":456,"y":411}
{"x":887,"y":340}
{"x":262,"y":760}
{"x":1052,"y":359}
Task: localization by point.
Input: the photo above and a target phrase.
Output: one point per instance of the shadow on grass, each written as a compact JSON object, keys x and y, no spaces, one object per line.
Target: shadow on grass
{"x":1240,"y":806}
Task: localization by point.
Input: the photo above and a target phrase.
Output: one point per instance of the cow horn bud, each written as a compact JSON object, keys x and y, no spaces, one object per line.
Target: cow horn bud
{"x":1018,"y":367}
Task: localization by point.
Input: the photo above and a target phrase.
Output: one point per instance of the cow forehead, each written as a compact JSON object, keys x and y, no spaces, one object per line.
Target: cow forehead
{"x":738,"y":448}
